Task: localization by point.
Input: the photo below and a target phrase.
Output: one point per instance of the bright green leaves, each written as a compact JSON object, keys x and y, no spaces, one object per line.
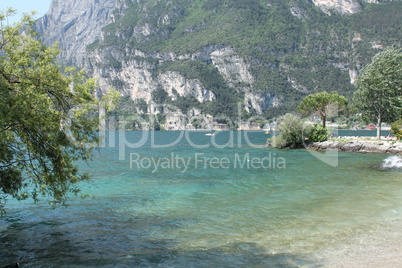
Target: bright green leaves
{"x":109,"y":100}
{"x":379,"y":87}
{"x":396,"y":129}
{"x":47,"y":114}
{"x":291,"y":129}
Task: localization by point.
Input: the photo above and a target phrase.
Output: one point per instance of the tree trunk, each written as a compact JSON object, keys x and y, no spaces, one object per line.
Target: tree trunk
{"x":324,"y":119}
{"x":379,"y":127}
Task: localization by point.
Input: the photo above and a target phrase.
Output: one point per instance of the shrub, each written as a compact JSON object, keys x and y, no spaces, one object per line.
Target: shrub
{"x":317,"y":134}
{"x":290,"y":132}
{"x":396,"y":129}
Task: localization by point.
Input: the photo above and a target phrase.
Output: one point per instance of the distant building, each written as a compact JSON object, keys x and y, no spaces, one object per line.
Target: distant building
{"x":221,"y":126}
{"x":370,"y":127}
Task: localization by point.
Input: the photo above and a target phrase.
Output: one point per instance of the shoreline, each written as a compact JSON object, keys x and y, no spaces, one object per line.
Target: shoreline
{"x":358,"y":145}
{"x":381,"y":246}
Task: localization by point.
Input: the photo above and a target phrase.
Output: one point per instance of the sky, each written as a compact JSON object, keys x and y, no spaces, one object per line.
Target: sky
{"x":25,"y":6}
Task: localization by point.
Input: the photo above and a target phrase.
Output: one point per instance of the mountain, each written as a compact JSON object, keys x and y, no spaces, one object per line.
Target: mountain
{"x":207,"y":56}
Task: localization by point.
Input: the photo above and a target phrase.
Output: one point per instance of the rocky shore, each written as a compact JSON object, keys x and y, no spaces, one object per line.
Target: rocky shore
{"x":362,"y":146}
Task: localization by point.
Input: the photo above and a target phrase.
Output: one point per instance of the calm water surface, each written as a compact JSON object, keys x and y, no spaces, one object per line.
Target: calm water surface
{"x":204,"y":207}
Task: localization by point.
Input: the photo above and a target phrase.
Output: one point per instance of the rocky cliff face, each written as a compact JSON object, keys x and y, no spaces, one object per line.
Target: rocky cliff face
{"x":135,"y":77}
{"x":123,"y":59}
{"x":75,"y":24}
{"x":338,"y":6}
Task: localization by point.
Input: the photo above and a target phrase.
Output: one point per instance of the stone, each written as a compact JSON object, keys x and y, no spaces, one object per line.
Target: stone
{"x":358,"y":146}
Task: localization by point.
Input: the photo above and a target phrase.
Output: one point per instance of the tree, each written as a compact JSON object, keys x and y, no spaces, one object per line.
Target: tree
{"x":323,"y":103}
{"x":46,"y":117}
{"x":379,"y":88}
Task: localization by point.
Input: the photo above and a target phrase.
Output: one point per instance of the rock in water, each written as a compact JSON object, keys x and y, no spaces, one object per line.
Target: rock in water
{"x":394,"y":161}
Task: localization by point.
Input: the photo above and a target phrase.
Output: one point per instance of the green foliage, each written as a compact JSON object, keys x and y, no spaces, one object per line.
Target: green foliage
{"x":382,"y":21}
{"x":323,"y":103}
{"x":125,"y":107}
{"x":117,"y":83}
{"x":317,"y":134}
{"x":379,"y":87}
{"x":159,"y":96}
{"x":110,"y":99}
{"x":186,"y":103}
{"x":396,"y":129}
{"x":315,"y":50}
{"x":294,"y":133}
{"x":226,"y":97}
{"x":291,"y":128}
{"x":142,"y":105}
{"x":45,"y":117}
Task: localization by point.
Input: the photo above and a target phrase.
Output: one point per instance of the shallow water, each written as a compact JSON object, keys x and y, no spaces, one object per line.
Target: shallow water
{"x":204,"y":207}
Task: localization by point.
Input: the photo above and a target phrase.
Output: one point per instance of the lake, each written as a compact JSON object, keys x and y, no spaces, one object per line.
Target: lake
{"x":186,"y":199}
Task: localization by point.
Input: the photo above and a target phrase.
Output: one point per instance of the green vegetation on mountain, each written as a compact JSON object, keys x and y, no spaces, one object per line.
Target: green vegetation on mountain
{"x":290,"y":55}
{"x":227,"y":97}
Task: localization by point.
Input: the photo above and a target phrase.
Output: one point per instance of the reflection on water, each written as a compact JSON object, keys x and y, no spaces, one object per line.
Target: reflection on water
{"x":205,"y":217}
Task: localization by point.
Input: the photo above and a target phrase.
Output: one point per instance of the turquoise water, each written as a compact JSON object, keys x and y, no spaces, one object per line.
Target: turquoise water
{"x":204,"y":205}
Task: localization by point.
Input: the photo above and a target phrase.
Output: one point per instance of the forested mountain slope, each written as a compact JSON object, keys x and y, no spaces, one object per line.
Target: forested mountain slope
{"x":206,"y":56}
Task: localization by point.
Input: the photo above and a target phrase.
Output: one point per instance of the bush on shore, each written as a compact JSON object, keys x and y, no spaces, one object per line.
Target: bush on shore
{"x":295,"y":133}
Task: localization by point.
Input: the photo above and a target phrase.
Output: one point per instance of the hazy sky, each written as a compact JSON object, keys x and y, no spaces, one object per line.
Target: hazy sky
{"x":25,"y":6}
